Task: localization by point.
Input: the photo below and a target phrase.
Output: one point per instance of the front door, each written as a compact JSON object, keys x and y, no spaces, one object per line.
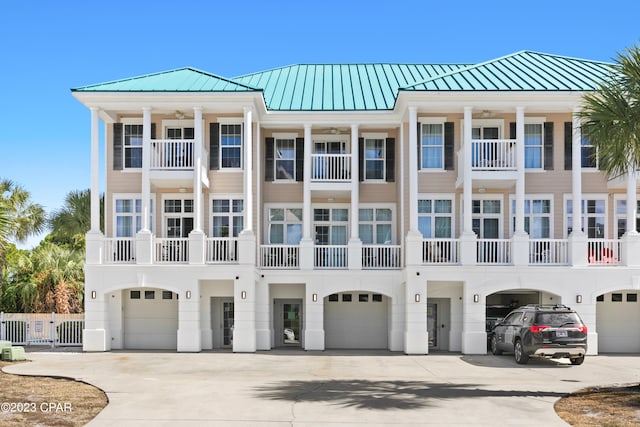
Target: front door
{"x":222,"y":314}
{"x":438,"y":319}
{"x":288,"y":323}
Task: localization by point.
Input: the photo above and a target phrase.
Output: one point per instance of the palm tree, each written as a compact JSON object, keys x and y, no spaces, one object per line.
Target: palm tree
{"x":70,"y":223}
{"x":24,"y":217}
{"x":611,"y":116}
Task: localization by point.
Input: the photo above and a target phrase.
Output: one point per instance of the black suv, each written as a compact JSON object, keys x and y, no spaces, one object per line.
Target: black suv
{"x":553,"y":331}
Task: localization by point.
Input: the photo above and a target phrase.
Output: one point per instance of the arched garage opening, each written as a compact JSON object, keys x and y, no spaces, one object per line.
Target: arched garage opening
{"x":150,"y":319}
{"x":356,"y":320}
{"x":617,"y":317}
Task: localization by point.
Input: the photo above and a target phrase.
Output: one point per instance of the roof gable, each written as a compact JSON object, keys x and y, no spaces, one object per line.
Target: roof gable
{"x":521,"y":71}
{"x":180,"y":80}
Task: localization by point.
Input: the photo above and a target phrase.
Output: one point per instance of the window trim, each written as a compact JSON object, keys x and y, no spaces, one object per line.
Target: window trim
{"x":222,"y":121}
{"x":230,"y":197}
{"x":374,"y":222}
{"x":165,"y":215}
{"x":530,"y":197}
{"x":585,"y":196}
{"x":132,"y":196}
{"x":431,"y":121}
{"x":499,"y":216}
{"x":279,"y":137}
{"x":375,"y":136}
{"x":441,"y":196}
{"x":128,"y":121}
{"x":267,"y":221}
{"x":536,"y":121}
{"x":617,"y":216}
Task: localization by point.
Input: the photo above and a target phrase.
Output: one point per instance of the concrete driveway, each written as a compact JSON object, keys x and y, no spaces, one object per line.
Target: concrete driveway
{"x":285,"y":388}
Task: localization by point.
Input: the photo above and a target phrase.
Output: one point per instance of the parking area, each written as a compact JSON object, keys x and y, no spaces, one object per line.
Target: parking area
{"x":293,"y":387}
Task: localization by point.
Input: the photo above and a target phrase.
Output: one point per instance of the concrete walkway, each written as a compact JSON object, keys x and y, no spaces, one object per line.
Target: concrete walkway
{"x":296,"y":388}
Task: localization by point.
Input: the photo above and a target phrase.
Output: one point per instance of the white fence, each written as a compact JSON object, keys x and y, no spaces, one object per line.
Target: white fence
{"x":56,"y":330}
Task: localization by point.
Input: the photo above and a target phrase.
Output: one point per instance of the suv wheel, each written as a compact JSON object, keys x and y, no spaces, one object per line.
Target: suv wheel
{"x":577,"y":360}
{"x":494,"y":346}
{"x":521,"y":357}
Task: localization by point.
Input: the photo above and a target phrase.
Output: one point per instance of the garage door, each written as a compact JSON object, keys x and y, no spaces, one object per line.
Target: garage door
{"x":356,"y":321}
{"x":617,"y":314}
{"x":150,"y":319}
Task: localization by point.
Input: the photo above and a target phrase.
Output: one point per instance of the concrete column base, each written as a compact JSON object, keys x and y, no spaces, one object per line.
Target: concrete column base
{"x":314,"y":339}
{"x":474,"y":342}
{"x":96,"y":340}
{"x":189,"y":340}
{"x":416,"y":342}
{"x":263,"y":339}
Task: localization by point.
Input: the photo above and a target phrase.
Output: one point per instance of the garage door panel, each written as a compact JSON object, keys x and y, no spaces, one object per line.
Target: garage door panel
{"x":356,"y":324}
{"x":150,"y":323}
{"x":616,"y":317}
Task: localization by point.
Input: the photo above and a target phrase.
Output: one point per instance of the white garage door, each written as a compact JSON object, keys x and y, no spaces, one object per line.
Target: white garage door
{"x":617,"y":315}
{"x":356,"y":320}
{"x":150,"y":319}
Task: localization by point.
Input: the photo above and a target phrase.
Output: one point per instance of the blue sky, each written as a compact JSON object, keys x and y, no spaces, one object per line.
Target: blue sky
{"x":49,"y":47}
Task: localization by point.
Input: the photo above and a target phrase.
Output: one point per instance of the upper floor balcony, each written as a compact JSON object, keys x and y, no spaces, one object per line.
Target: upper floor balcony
{"x":172,"y":162}
{"x":493,"y":163}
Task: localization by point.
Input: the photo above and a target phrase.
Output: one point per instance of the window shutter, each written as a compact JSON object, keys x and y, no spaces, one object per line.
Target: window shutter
{"x":548,"y":146}
{"x":568,"y":129}
{"x":299,"y":159}
{"x":449,"y":146}
{"x":512,"y":130}
{"x":268,"y":158}
{"x":419,"y":144}
{"x":214,"y":146}
{"x":153,"y":131}
{"x":390,"y":159}
{"x":117,"y":146}
{"x":361,"y":171}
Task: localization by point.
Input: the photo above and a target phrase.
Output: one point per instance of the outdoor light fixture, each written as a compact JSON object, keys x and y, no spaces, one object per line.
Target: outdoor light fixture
{"x":579,"y":299}
{"x":93,"y":294}
{"x":188,"y":295}
{"x":243,"y":294}
{"x":314,"y":297}
{"x":417,"y":297}
{"x":476,"y":298}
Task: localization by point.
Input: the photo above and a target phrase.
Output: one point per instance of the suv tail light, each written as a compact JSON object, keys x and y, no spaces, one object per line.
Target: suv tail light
{"x":582,"y":328}
{"x":537,"y":328}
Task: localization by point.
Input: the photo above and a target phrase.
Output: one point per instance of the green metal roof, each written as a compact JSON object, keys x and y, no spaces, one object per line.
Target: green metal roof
{"x":522,"y":71}
{"x":339,"y":87}
{"x":180,"y":80}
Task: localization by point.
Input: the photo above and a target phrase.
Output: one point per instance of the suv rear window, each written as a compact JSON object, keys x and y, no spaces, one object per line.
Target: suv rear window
{"x":557,"y":319}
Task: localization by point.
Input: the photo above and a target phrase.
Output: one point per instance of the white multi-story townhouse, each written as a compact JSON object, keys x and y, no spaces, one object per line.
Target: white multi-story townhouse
{"x":384,"y":206}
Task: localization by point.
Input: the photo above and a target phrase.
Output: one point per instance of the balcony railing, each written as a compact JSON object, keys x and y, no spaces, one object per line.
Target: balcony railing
{"x":494,"y":251}
{"x":381,"y":257}
{"x":493,"y":154}
{"x":603,"y":251}
{"x":221,"y":250}
{"x":120,"y":250}
{"x":174,"y":250}
{"x":331,"y":256}
{"x":172,"y":154}
{"x":549,"y":251}
{"x":331,"y":167}
{"x":280,"y":256}
{"x":441,"y":251}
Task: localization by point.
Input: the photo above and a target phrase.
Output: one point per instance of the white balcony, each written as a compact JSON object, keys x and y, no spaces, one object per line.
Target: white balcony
{"x":172,"y":154}
{"x":119,"y":250}
{"x":441,"y":251}
{"x":331,"y":257}
{"x":494,"y":251}
{"x":603,"y":251}
{"x":221,"y":250}
{"x":280,"y":256}
{"x":549,"y":252}
{"x":331,"y":167}
{"x":174,"y":250}
{"x":493,"y":163}
{"x":381,"y":257}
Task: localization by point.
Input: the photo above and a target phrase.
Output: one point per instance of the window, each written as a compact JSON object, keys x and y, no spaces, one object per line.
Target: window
{"x":285,"y":159}
{"x":621,"y":217}
{"x":588,"y":154}
{"x":179,"y":132}
{"x":593,"y":217}
{"x":486,"y":218}
{"x":615,"y":297}
{"x":134,"y":295}
{"x":149,"y":294}
{"x":227,"y":217}
{"x":333,"y":297}
{"x":435,"y":218}
{"x":132,"y":146}
{"x":432,"y":145}
{"x":128,"y":216}
{"x":533,"y":146}
{"x":375,"y":225}
{"x":346,"y":297}
{"x":632,"y":297}
{"x":167,"y":295}
{"x":363,"y":297}
{"x":178,"y":217}
{"x":331,"y":226}
{"x":537,"y":217}
{"x":231,"y":146}
{"x":374,"y":158}
{"x":376,"y":298}
{"x":285,"y":226}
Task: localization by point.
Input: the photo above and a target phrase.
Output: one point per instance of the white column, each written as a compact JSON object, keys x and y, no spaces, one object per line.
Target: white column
{"x":146,"y":164}
{"x":95,"y":171}
{"x":197,"y":166}
{"x":248,"y":171}
{"x":632,"y":201}
{"x":467,"y":189}
{"x":520,"y":167}
{"x":413,"y":170}
{"x":355,"y":183}
{"x":306,"y":197}
{"x":576,"y":175}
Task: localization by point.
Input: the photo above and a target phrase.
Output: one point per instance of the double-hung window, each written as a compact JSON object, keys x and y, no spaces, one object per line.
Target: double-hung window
{"x":285,"y":225}
{"x":375,"y":225}
{"x":230,"y":146}
{"x":227,"y":217}
{"x":285,"y":159}
{"x":594,"y":214}
{"x":178,"y":217}
{"x":588,"y":154}
{"x":621,"y":216}
{"x":128,"y":215}
{"x":435,"y":217}
{"x":132,"y":146}
{"x":374,"y":158}
{"x":432,"y":145}
{"x":533,"y":146}
{"x":537,"y":217}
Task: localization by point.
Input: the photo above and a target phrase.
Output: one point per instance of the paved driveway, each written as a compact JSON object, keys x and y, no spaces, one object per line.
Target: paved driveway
{"x":285,"y":388}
